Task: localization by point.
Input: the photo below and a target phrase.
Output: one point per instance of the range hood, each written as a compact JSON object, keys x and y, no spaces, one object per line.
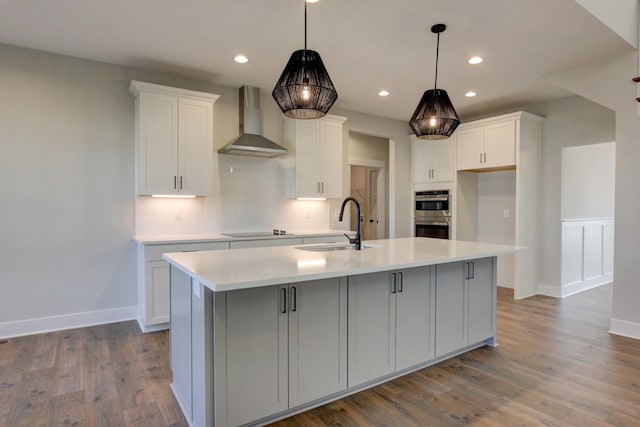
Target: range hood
{"x":250,"y":142}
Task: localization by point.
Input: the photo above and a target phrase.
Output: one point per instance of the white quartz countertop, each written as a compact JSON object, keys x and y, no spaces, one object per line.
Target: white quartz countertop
{"x":248,"y":268}
{"x":197,"y":238}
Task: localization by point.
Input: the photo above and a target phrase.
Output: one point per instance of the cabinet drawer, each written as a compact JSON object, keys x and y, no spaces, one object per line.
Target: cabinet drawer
{"x":154,"y":252}
{"x":265,"y":242}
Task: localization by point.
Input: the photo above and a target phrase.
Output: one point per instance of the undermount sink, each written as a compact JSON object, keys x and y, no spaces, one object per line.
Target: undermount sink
{"x":326,"y":247}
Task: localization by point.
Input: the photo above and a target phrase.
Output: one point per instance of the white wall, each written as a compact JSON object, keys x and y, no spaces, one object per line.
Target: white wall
{"x":588,"y":181}
{"x":609,"y":83}
{"x":495,"y":223}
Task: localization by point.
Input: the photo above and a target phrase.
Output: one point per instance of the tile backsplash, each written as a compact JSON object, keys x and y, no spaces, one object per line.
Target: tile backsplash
{"x":248,"y":195}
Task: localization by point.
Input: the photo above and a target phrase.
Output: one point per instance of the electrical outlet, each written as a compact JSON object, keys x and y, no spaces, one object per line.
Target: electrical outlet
{"x":506,"y":213}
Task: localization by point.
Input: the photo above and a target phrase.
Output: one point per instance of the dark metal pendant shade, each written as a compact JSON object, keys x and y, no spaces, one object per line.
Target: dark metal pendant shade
{"x":435,"y":117}
{"x":305,"y":90}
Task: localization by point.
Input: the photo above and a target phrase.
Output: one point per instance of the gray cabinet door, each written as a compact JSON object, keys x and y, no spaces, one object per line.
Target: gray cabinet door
{"x":317,"y":339}
{"x":371,"y":327}
{"x":180,"y":337}
{"x":415,"y":321}
{"x":256,"y":354}
{"x":482,"y":296}
{"x":451,"y":308}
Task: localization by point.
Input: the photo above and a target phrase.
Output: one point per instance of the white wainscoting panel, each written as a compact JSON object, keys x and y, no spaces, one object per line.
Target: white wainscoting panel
{"x":587,"y":254}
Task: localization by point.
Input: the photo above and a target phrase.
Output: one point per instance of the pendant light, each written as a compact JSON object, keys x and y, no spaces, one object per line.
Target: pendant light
{"x":435,"y":117}
{"x":305,"y":90}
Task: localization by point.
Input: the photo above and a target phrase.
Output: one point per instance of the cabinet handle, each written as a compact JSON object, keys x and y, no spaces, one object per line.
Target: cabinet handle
{"x":480,"y":157}
{"x":181,"y":182}
{"x":294,"y":299}
{"x":322,"y":188}
{"x":466,"y":271}
{"x":393,"y":283}
{"x":485,"y":157}
{"x":318,"y":190}
{"x":283,"y":300}
{"x":473,"y":270}
{"x":175,"y":182}
{"x":401,"y":281}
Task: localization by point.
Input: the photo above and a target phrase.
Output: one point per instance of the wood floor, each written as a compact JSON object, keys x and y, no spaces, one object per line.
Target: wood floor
{"x":556,"y":366}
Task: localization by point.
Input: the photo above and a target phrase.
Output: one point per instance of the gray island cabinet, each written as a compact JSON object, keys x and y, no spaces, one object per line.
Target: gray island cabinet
{"x":261,"y":334}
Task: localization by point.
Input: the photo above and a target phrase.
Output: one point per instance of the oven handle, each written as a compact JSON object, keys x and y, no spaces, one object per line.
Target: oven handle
{"x":432,"y":223}
{"x":432,"y":199}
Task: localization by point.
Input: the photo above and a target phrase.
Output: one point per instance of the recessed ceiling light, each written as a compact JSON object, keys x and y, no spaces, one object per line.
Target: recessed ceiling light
{"x":475,"y":60}
{"x":241,"y":59}
{"x":470,"y":94}
{"x":383,"y":93}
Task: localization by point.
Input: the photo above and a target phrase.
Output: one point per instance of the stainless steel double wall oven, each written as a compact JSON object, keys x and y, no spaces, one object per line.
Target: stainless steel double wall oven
{"x":432,"y":214}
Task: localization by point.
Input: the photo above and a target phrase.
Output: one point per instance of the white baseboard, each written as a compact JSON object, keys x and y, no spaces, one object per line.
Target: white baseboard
{"x":66,"y":321}
{"x":574,"y":288}
{"x":624,"y":328}
{"x":550,"y":290}
{"x":152,"y":328}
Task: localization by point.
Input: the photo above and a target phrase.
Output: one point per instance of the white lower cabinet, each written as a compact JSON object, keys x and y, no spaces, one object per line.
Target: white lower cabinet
{"x":391,"y":322}
{"x":153,"y":281}
{"x":284,"y":346}
{"x":465,"y":304}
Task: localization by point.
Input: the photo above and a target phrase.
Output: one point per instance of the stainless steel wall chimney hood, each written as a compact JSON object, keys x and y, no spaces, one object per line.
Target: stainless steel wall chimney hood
{"x":250,"y":142}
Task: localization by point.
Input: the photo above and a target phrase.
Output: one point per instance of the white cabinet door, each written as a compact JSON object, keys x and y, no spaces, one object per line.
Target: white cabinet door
{"x":157,"y":141}
{"x":318,"y":151}
{"x":256,"y":354}
{"x":195,"y":138}
{"x":469,"y":148}
{"x":371,"y":336}
{"x":451,"y":308}
{"x":157,"y":292}
{"x":500,"y":144}
{"x":421,"y":160}
{"x":443,"y":159}
{"x":307,"y":158}
{"x":482,"y":296}
{"x":415,"y":317}
{"x":317,"y":339}
{"x":330,"y":148}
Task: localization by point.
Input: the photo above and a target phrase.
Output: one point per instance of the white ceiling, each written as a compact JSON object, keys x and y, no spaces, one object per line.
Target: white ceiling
{"x":366,"y":45}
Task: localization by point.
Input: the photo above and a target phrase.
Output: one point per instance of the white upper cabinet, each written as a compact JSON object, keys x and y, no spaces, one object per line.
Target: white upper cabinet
{"x":317,"y":167}
{"x":174,"y":140}
{"x":432,"y":161}
{"x":486,"y":145}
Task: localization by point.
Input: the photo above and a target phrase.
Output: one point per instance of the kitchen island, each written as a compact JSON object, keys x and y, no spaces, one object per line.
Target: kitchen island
{"x":260,"y":334}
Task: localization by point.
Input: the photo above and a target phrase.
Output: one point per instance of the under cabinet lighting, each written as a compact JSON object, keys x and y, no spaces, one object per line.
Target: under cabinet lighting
{"x":173,"y":196}
{"x":311,"y":198}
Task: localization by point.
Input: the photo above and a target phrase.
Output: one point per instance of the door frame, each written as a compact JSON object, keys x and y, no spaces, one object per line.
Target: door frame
{"x":382,"y":192}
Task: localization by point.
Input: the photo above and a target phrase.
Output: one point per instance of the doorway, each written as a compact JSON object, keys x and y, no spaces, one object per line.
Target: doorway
{"x":369,"y":160}
{"x":368,"y":188}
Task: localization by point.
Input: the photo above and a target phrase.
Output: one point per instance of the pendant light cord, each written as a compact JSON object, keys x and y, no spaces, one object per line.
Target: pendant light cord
{"x":305,"y":25}
{"x":435,"y":84}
